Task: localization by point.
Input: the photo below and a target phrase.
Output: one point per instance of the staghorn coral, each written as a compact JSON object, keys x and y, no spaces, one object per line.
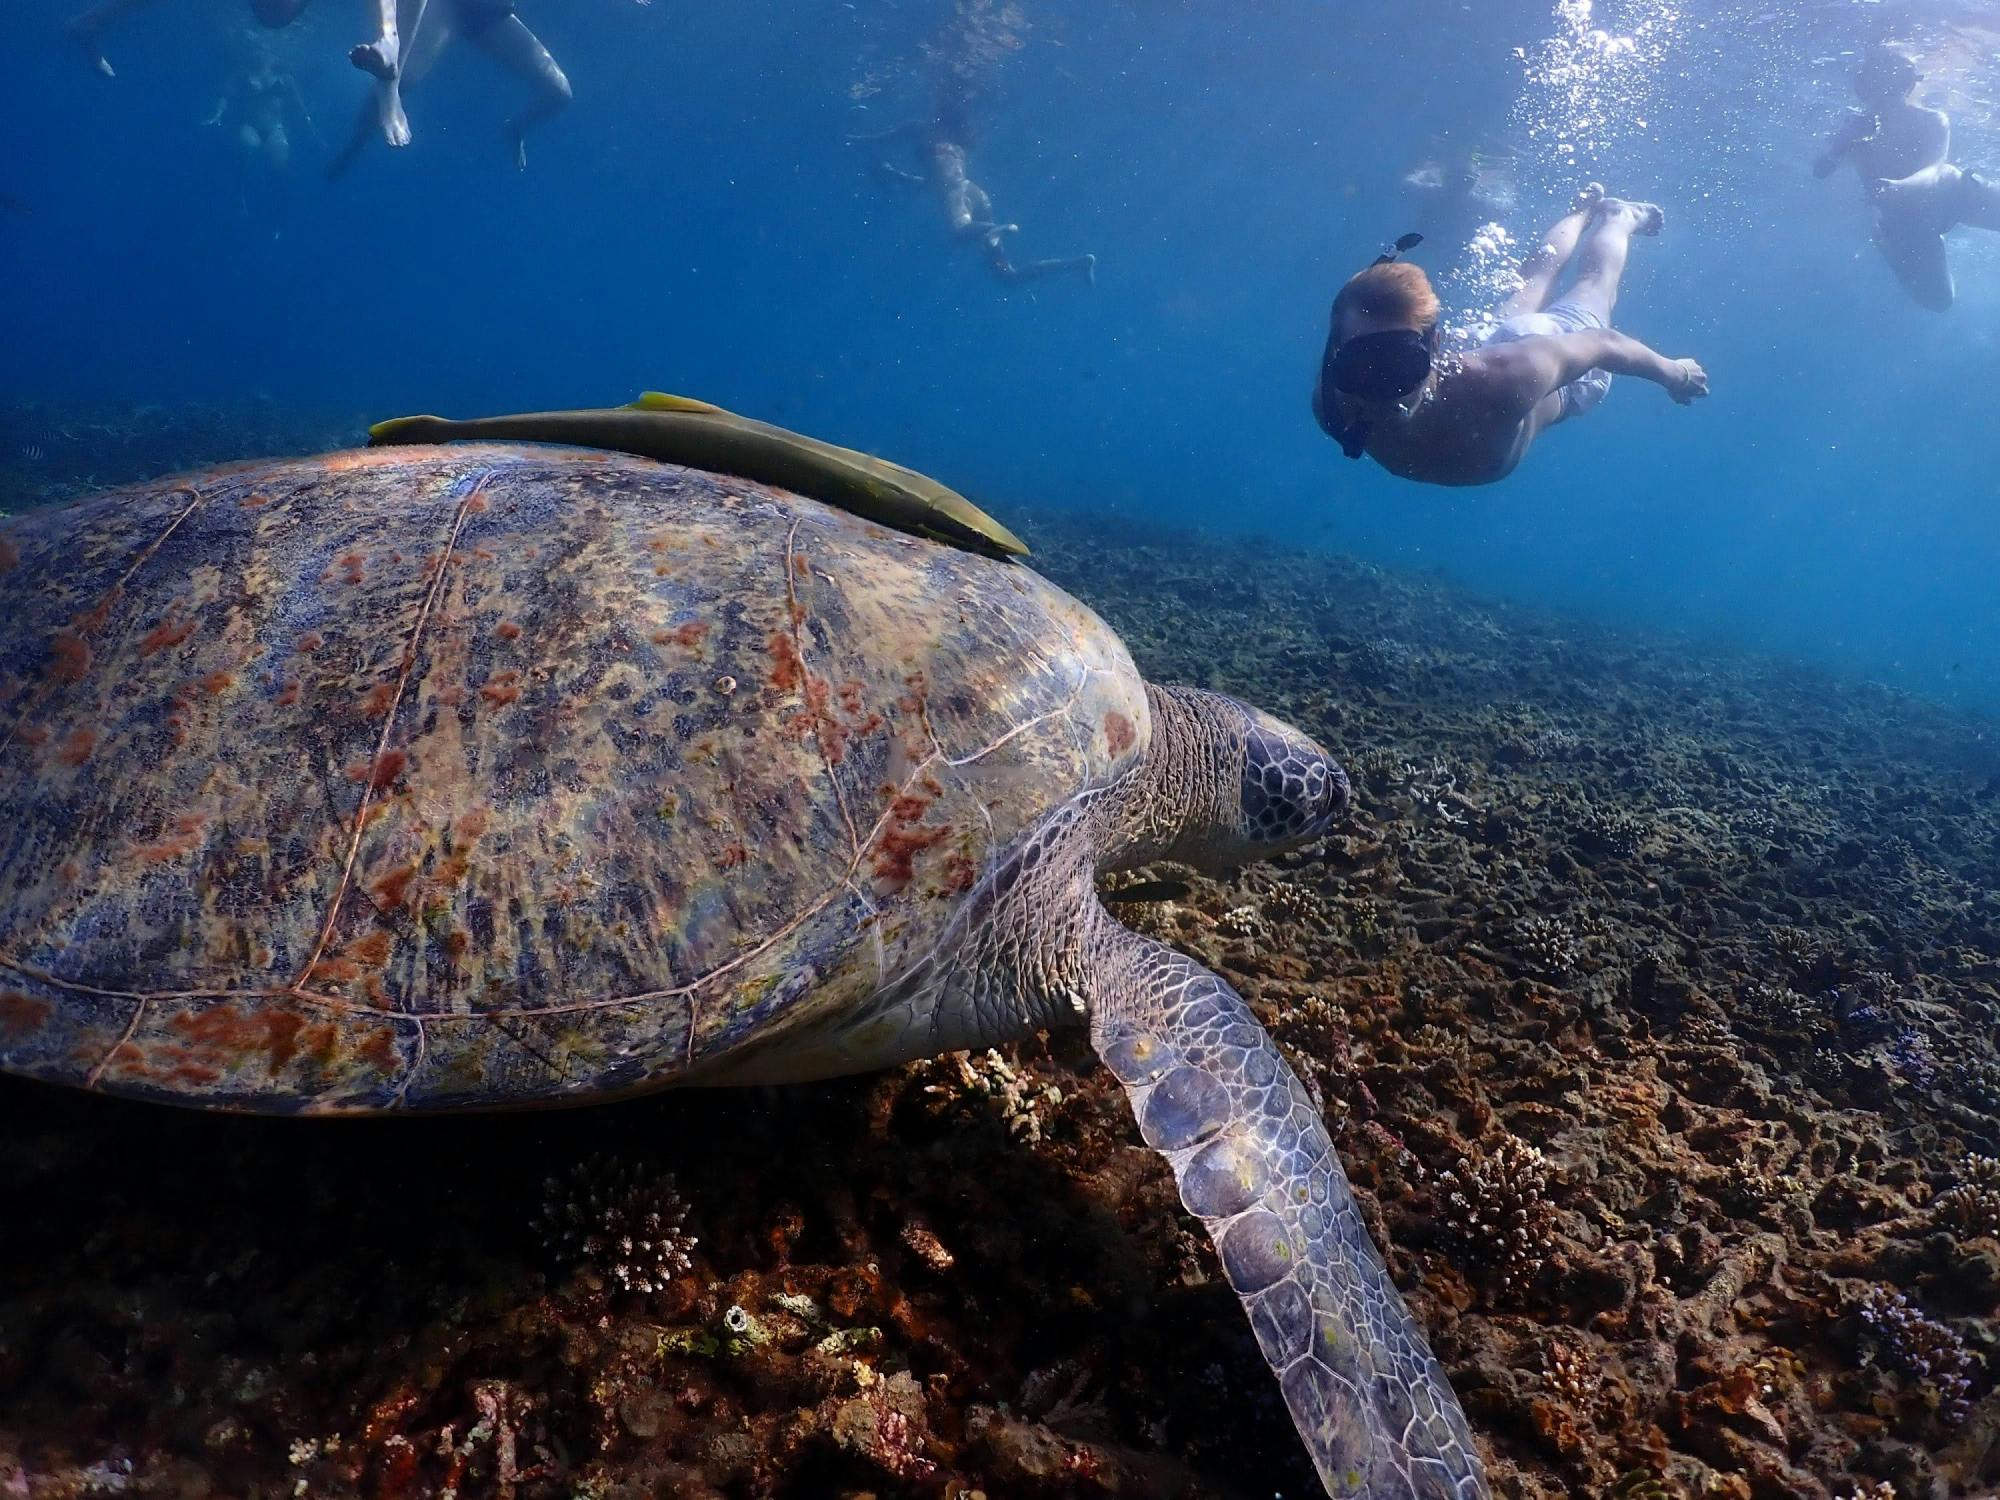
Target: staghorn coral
{"x":1608,"y":831}
{"x":993,"y":1084}
{"x":1291,"y":905}
{"x":1547,"y":945}
{"x":618,"y":1221}
{"x":1971,"y":1204}
{"x":1498,"y":1214}
{"x":1902,"y":1336}
{"x":1316,"y":1037}
{"x":1243,"y":922}
{"x":1795,"y":947}
{"x":1777,"y":1013}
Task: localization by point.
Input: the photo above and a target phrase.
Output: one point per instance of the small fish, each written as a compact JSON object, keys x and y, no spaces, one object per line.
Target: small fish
{"x":34,"y":453}
{"x":1146,"y":890}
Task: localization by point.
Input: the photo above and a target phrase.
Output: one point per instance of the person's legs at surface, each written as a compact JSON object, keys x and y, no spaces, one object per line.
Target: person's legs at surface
{"x":87,"y":29}
{"x":382,"y":59}
{"x":1004,"y":267}
{"x":509,"y":42}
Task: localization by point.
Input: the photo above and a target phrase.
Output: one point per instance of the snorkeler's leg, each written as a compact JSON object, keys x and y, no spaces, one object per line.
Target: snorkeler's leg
{"x":1975,"y":202}
{"x":366,"y":121}
{"x":509,"y":42}
{"x":1034,"y":268}
{"x":1544,"y":267}
{"x":1916,"y":254}
{"x":1600,"y":258}
{"x":87,"y":29}
{"x":382,"y":59}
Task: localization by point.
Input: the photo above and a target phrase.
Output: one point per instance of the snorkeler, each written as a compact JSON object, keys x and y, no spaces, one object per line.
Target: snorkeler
{"x":1452,"y":195}
{"x":1468,"y":419}
{"x":1900,"y":149}
{"x":258,"y":99}
{"x":428,"y":27}
{"x":968,"y":209}
{"x":87,"y":29}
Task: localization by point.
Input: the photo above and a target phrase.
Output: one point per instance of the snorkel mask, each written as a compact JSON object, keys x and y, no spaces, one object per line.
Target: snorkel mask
{"x":1381,"y":368}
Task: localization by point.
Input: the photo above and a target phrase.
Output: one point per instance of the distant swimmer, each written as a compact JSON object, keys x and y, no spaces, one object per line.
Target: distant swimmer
{"x":1454,"y":194}
{"x":260,"y":101}
{"x":425,"y":29}
{"x":1386,"y":390}
{"x":87,"y":29}
{"x":1900,"y":149}
{"x":968,"y":210}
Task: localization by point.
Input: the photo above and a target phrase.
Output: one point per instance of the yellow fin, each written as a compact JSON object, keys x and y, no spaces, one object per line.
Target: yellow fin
{"x":661,"y":401}
{"x":383,"y":432}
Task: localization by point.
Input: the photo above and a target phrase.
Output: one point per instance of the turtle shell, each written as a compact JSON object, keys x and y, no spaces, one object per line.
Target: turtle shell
{"x":496,"y":775}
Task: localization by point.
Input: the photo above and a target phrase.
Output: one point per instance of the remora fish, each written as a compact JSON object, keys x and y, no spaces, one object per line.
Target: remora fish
{"x":678,"y":430}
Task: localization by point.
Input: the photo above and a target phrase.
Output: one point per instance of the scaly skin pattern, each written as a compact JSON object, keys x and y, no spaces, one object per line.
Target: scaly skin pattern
{"x":1223,"y":782}
{"x":491,"y":775}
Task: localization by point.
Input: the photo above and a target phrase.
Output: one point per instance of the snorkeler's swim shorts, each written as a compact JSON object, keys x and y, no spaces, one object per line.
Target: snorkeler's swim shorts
{"x":1564,"y":316}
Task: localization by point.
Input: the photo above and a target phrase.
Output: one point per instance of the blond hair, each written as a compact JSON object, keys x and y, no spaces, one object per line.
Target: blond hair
{"x":1395,"y":291}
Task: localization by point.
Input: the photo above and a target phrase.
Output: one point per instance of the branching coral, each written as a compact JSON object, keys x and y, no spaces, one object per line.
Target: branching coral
{"x":1972,"y":1203}
{"x":1903,"y":1337}
{"x":619,"y":1221}
{"x":1498,"y":1211}
{"x":1547,"y":945}
{"x":991,"y":1081}
{"x":1607,"y":831}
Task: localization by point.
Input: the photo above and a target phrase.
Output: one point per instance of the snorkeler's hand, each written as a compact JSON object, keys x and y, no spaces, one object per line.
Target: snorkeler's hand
{"x":1693,"y":382}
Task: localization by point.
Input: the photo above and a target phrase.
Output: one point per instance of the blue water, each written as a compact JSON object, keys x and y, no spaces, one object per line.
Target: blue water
{"x":698,"y":222}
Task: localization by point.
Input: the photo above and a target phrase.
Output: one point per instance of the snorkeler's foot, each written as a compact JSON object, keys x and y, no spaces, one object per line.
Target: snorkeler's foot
{"x":85,"y":35}
{"x":1587,"y":197}
{"x":1644,"y":218}
{"x":389,"y":111}
{"x":377,"y":59}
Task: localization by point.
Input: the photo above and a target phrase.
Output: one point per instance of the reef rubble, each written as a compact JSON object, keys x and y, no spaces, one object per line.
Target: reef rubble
{"x":1651,"y":993}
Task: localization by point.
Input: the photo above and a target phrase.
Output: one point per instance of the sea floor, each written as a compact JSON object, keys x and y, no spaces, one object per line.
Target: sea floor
{"x":1651,"y":992}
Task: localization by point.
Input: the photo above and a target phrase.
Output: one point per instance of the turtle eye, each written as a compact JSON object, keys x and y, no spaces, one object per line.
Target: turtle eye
{"x":1293,"y":791}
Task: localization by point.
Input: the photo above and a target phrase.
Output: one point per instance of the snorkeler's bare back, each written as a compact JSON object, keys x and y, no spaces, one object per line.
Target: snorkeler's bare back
{"x":1906,"y":139}
{"x":1474,"y":428}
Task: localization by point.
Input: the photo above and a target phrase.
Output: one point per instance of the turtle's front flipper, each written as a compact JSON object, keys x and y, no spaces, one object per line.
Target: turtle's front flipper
{"x":1255,"y":1164}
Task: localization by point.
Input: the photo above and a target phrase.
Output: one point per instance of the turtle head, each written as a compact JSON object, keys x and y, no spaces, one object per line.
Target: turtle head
{"x":1291,"y":793}
{"x":1224,"y":784}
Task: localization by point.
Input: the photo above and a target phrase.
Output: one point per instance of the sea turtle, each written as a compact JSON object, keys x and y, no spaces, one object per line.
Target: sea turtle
{"x":424,"y":778}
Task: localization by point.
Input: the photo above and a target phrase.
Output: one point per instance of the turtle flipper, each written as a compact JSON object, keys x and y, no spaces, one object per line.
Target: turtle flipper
{"x":1212,"y":1094}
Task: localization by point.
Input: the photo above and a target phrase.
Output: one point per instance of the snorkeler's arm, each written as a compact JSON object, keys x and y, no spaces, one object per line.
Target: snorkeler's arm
{"x":1855,"y":127}
{"x":908,"y":130}
{"x":1528,"y":369}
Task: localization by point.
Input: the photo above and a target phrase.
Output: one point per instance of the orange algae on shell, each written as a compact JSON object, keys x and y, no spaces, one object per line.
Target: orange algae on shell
{"x":21,"y":1014}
